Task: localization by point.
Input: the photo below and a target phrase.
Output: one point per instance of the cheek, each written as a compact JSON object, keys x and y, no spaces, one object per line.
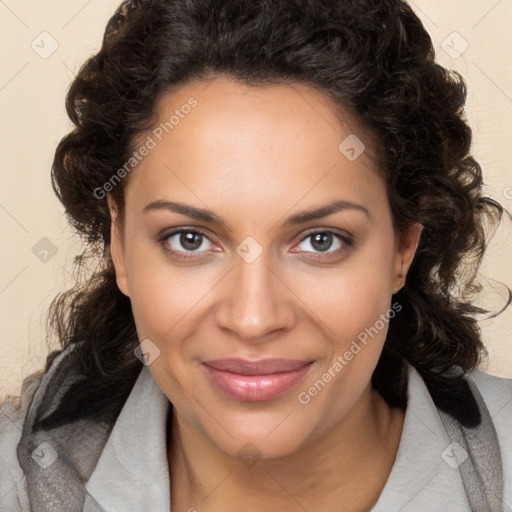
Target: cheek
{"x":155,"y":292}
{"x":350,"y":298}
{"x":356,"y":306}
{"x":169,"y":301}
{"x":162,"y":295}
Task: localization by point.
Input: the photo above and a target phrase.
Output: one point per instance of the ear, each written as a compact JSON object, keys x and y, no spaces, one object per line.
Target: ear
{"x":406,"y":249}
{"x":117,"y":246}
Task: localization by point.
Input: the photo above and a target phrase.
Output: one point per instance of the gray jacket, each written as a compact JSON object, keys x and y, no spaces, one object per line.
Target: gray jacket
{"x":34,"y":479}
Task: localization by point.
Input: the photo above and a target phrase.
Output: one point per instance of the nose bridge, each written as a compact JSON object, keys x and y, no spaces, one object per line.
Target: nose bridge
{"x":256,"y":300}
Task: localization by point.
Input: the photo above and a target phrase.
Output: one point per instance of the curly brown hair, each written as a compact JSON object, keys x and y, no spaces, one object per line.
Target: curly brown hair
{"x":373,"y":57}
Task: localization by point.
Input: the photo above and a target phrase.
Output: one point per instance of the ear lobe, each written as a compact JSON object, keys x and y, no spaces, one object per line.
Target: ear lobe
{"x":117,"y":246}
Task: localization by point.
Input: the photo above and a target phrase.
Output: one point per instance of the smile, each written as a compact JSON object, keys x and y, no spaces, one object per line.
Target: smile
{"x":255,"y":381}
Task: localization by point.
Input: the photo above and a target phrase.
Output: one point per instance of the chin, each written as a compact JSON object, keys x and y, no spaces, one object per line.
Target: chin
{"x":252,"y":449}
{"x":270,"y":438}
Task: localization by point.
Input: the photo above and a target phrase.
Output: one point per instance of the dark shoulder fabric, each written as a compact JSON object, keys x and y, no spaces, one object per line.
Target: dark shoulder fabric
{"x":13,"y":497}
{"x":482,"y":467}
{"x":58,"y":459}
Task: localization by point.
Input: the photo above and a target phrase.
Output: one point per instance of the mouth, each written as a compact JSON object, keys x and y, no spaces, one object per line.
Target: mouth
{"x":255,"y":381}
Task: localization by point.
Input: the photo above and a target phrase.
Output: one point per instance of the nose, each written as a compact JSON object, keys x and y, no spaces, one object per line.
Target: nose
{"x":256,"y":303}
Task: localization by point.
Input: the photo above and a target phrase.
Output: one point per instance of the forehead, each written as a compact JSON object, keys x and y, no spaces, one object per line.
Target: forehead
{"x":222,"y":106}
{"x":220,"y":140}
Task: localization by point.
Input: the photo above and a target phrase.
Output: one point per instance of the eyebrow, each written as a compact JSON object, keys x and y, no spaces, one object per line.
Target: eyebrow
{"x":206,"y":215}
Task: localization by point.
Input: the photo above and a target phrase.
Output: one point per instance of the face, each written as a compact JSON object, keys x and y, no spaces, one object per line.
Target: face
{"x":221,"y":262}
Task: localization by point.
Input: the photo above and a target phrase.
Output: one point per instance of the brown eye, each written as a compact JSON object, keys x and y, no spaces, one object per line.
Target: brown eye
{"x":190,"y":241}
{"x":185,"y":241}
{"x":322,"y":241}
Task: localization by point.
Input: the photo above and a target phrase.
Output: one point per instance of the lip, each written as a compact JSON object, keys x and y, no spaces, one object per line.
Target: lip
{"x":255,"y":381}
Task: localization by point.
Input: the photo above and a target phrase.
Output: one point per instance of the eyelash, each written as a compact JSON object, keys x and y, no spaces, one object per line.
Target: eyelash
{"x":346,"y":240}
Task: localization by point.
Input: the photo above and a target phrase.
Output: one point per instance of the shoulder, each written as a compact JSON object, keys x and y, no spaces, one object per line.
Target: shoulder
{"x":12,"y":415}
{"x":494,"y":389}
{"x":497,"y":395}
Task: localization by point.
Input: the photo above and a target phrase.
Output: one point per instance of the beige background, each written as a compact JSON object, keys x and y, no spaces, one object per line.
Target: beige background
{"x":471,"y":36}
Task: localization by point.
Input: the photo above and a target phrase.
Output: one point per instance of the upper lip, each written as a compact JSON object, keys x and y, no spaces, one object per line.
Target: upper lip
{"x":259,"y":367}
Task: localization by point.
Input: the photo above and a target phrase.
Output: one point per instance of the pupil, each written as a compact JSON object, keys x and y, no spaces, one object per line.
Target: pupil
{"x":322,"y":241}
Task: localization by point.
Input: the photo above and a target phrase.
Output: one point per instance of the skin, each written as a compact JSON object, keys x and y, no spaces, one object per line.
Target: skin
{"x":255,"y":156}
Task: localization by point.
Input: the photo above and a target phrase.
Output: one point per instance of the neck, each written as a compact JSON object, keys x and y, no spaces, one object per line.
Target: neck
{"x":345,"y":469}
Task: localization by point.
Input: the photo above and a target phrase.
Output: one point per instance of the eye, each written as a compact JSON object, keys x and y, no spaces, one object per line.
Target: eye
{"x":320,"y":242}
{"x":185,"y":242}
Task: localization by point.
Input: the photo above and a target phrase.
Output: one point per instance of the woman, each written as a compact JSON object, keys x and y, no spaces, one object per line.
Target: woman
{"x":278,"y":321}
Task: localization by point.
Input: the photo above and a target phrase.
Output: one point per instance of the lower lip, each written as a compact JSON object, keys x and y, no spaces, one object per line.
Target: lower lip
{"x":255,"y":388}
